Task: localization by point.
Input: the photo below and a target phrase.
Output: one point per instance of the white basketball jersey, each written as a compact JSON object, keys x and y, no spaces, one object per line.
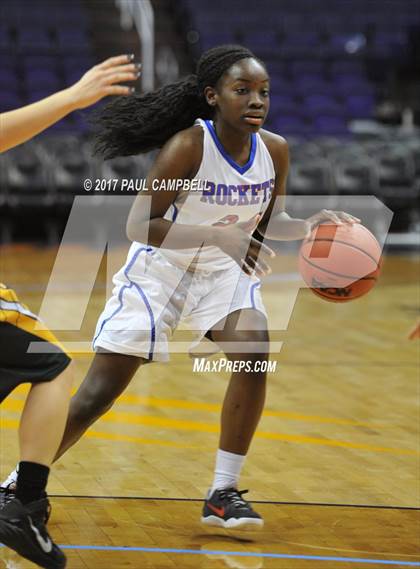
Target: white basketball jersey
{"x":229,"y":193}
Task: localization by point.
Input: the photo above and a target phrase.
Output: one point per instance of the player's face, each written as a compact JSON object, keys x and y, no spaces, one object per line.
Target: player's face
{"x":242,"y":95}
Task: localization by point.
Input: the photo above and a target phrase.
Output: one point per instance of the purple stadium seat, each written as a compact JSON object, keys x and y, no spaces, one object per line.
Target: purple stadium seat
{"x":330,"y":23}
{"x":307,"y":67}
{"x":9,"y":80}
{"x":64,"y":126}
{"x":291,"y":125}
{"x":10,"y":101}
{"x":42,"y":79}
{"x":210,"y":39}
{"x":8,"y":62}
{"x":6,"y":42}
{"x":35,"y":39}
{"x":360,"y":106}
{"x":313,"y":87}
{"x":35,"y":62}
{"x":354,"y":84}
{"x":261,"y":44}
{"x":327,"y":124}
{"x":347,"y":67}
{"x":318,"y":104}
{"x":283,"y":88}
{"x":35,"y":17}
{"x":275,"y":66}
{"x":307,"y":82}
{"x":388,"y":43}
{"x":300,"y":44}
{"x":71,"y":14}
{"x":72,"y":40}
{"x":78,"y":63}
{"x":308,"y":78}
{"x":283,"y":104}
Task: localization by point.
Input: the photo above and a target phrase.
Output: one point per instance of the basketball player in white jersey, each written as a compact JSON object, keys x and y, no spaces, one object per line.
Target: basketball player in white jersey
{"x":193,"y":257}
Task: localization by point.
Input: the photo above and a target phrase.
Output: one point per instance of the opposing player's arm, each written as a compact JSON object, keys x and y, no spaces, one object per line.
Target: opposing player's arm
{"x":179,"y":159}
{"x":20,"y":125}
{"x":276,"y":223}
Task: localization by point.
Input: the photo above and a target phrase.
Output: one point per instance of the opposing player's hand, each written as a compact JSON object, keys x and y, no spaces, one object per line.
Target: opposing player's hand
{"x":104,"y":79}
{"x":235,"y":241}
{"x":337,"y":217}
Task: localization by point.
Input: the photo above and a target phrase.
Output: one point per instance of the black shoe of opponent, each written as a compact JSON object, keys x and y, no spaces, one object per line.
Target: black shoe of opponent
{"x":23,"y":529}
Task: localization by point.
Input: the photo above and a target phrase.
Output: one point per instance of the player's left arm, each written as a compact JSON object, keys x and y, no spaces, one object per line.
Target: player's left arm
{"x":276,"y":223}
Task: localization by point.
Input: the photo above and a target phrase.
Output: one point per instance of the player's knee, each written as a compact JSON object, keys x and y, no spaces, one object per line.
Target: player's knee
{"x":255,"y":343}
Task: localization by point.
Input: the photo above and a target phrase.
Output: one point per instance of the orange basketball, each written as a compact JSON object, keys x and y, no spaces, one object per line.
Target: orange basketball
{"x":340,"y":262}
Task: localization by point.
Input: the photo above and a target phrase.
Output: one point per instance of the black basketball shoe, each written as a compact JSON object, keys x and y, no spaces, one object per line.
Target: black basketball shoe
{"x":22,"y":528}
{"x":226,"y":509}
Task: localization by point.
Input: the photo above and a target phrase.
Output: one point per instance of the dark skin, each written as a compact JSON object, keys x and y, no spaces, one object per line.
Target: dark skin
{"x":241,"y":92}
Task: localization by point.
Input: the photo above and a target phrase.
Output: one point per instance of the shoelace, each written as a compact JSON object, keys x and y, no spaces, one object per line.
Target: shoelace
{"x":234,"y":497}
{"x":6,"y":495}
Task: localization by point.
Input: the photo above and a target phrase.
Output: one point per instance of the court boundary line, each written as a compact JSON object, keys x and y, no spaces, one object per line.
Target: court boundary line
{"x":209,"y":552}
{"x":268,"y":502}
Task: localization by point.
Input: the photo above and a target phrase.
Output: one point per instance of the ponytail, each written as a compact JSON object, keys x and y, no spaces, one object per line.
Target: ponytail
{"x":143,"y":122}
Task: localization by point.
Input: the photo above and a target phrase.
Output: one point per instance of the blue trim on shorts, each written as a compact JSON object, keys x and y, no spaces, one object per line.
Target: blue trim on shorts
{"x":252,"y":293}
{"x":152,"y":319}
{"x":175,"y":213}
{"x":141,"y":292}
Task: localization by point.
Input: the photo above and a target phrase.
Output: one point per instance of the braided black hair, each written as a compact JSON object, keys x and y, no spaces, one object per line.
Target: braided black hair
{"x":140,"y":123}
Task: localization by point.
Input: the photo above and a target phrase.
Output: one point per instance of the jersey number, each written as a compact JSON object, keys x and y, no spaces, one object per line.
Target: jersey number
{"x":227,"y":220}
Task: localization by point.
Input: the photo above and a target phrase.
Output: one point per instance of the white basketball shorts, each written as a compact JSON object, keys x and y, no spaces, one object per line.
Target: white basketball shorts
{"x":152,"y":296}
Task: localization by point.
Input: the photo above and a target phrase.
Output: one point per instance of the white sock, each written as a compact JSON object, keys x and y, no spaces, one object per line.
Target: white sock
{"x":11,"y":479}
{"x":227,"y":471}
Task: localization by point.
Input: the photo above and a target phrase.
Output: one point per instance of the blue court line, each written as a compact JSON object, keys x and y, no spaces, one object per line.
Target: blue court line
{"x":242,"y":554}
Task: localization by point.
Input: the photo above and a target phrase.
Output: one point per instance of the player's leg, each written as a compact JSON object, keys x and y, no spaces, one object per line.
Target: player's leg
{"x":44,"y":418}
{"x":245,"y":396}
{"x":23,"y":519}
{"x":128,"y":326}
{"x":48,"y":370}
{"x":242,"y":408}
{"x":108,"y":376}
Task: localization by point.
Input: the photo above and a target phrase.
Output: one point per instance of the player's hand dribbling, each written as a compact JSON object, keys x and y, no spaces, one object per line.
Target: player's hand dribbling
{"x":235,"y":241}
{"x":104,"y":79}
{"x":337,"y":217}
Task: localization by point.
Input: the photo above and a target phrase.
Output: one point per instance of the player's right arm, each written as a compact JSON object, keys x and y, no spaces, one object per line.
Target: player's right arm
{"x":180,"y":158}
{"x":20,"y":125}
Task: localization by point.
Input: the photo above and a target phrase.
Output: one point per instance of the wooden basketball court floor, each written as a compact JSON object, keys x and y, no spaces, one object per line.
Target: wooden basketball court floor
{"x":334,"y":466}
